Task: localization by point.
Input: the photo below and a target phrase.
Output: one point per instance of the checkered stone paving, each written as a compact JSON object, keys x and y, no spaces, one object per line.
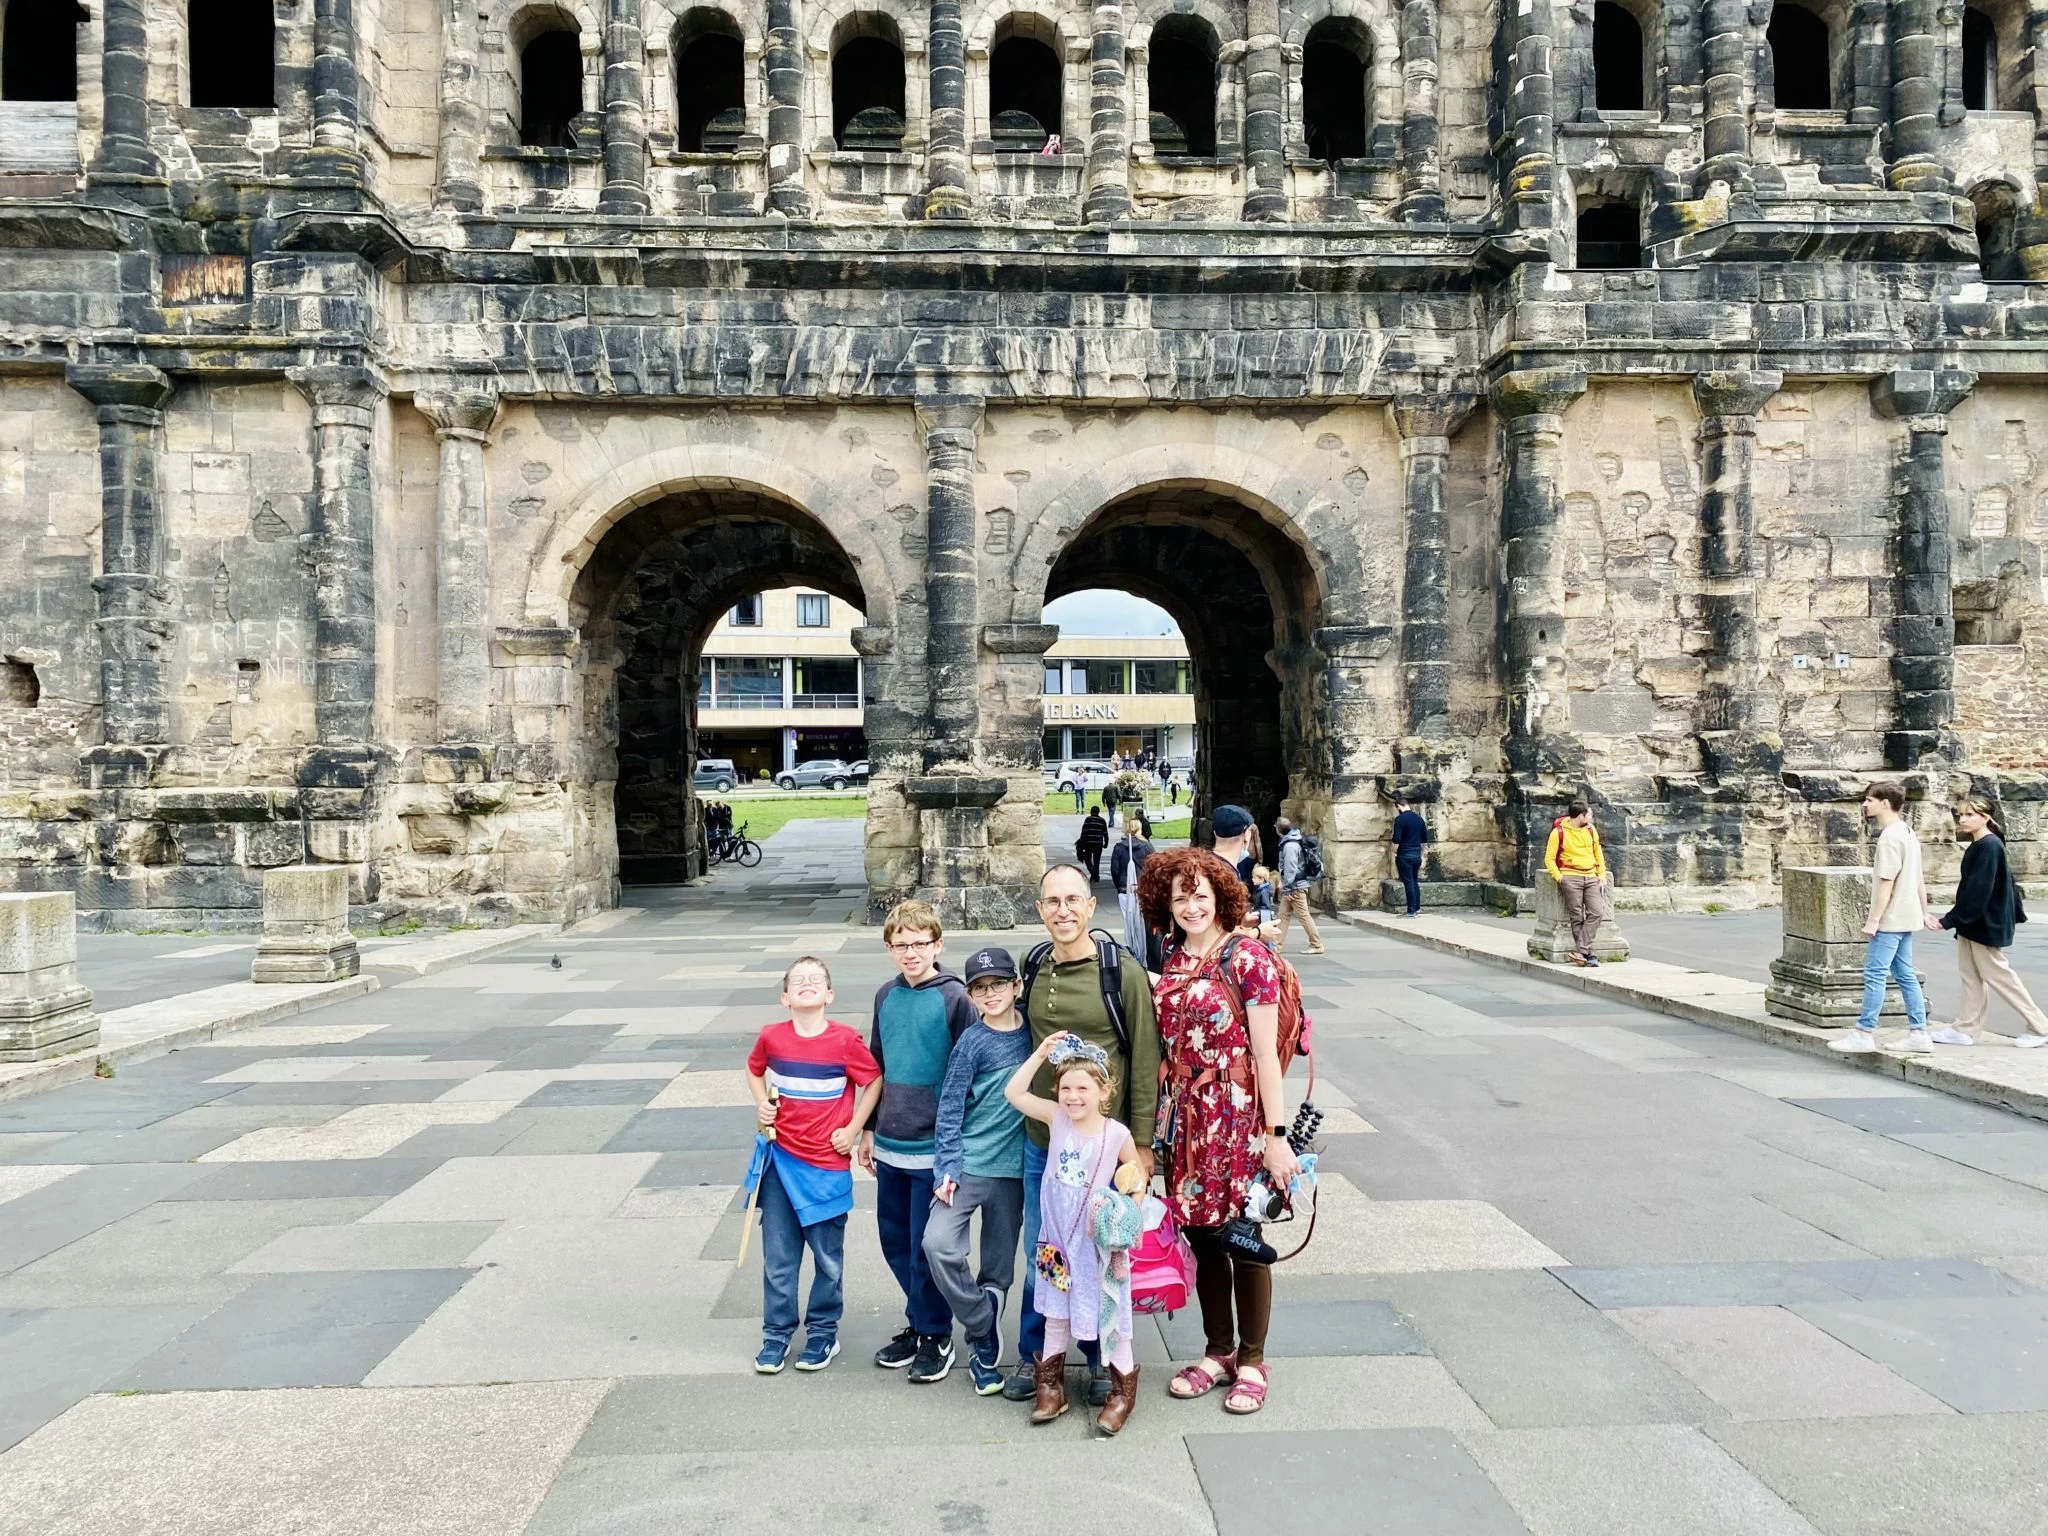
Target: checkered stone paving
{"x":459,"y":1256}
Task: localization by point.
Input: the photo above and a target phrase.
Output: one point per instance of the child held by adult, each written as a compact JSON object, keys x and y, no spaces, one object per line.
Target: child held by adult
{"x":813,"y":1118}
{"x":1080,"y":1287}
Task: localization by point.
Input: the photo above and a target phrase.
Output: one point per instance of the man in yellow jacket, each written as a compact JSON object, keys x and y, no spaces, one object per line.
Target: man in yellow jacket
{"x":1578,"y":864}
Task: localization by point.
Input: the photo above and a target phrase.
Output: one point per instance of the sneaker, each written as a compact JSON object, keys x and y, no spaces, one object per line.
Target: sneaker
{"x":898,"y":1352}
{"x":1950,"y":1035}
{"x":934,"y":1358}
{"x":1916,"y":1043}
{"x":818,"y":1352}
{"x":1098,"y":1386}
{"x":1319,"y":951}
{"x":1855,"y":1042}
{"x":1590,"y":961}
{"x":998,"y":1300}
{"x":1022,"y":1386}
{"x":2029,"y":1040}
{"x":982,"y":1365}
{"x":773,"y":1357}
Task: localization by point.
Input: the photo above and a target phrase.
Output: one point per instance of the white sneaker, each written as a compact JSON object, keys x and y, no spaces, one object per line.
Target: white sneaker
{"x":1916,"y":1043}
{"x":2027,"y":1042}
{"x":1950,"y":1035}
{"x":1855,"y":1042}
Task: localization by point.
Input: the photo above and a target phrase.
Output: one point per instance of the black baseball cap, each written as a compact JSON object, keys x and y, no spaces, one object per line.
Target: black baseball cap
{"x":990,"y":962}
{"x":1230,"y":820}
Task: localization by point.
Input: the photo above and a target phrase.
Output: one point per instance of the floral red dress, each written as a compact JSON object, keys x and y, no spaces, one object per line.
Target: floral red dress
{"x":1208,"y":1084}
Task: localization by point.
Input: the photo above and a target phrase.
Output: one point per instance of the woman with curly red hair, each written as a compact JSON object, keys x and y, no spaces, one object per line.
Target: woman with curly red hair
{"x":1222,"y":1105}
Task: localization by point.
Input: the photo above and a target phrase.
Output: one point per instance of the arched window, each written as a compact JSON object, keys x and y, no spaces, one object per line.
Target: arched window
{"x":1335,"y":79}
{"x":39,"y":50}
{"x":1610,"y":236}
{"x":1023,"y":93}
{"x":1617,"y":59}
{"x":711,"y":98}
{"x":1799,"y":59}
{"x":232,"y":49}
{"x":550,"y":84}
{"x":1980,"y":62}
{"x":867,"y":86}
{"x":1181,"y":76}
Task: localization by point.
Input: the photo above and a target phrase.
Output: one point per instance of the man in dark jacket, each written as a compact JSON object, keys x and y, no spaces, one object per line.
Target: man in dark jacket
{"x":1094,"y":838}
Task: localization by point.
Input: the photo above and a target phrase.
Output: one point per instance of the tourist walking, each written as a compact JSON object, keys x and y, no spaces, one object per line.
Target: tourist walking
{"x":1410,"y":833}
{"x":1578,"y":864}
{"x":1223,"y":1106}
{"x":1093,"y":839}
{"x":1984,"y":919}
{"x":1898,"y":910}
{"x":1299,"y":870}
{"x":1125,"y":864}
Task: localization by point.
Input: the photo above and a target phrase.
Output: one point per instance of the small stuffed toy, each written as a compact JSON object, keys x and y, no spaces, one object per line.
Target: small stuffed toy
{"x":1130,"y":1179}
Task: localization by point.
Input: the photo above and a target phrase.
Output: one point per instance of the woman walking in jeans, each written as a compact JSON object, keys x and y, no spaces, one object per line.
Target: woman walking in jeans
{"x":1986,"y":913}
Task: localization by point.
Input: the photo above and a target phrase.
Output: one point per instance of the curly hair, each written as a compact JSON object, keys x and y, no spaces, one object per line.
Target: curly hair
{"x":1165,"y":873}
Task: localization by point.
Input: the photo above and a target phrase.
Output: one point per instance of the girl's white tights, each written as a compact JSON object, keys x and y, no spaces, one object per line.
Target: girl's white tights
{"x":1059,"y":1338}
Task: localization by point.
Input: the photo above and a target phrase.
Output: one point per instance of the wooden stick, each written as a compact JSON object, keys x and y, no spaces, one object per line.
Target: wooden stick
{"x":754,"y":1194}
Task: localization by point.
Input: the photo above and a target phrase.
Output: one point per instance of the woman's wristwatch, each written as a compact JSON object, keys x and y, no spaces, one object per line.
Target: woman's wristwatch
{"x":1277,"y":1130}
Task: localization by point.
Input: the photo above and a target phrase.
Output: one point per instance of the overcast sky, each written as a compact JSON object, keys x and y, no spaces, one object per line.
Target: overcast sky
{"x":1103,"y":612}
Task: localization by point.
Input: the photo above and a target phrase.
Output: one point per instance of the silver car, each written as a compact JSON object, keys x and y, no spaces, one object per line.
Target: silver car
{"x":822,"y":772}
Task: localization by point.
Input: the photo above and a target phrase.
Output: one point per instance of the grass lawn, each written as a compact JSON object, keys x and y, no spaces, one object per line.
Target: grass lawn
{"x":765,"y":818}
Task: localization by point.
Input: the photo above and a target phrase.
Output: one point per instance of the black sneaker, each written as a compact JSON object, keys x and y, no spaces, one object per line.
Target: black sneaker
{"x":934,"y":1358}
{"x":1098,"y":1386}
{"x":1022,"y":1386}
{"x":898,"y":1352}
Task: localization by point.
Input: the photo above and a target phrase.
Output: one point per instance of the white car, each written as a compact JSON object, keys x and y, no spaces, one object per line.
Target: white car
{"x":1089,"y":776}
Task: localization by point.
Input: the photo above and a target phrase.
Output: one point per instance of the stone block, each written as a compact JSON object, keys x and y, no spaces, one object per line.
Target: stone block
{"x":44,"y":1010}
{"x":305,"y":926}
{"x":337,"y":842}
{"x":1817,"y":978}
{"x":1552,"y":939}
{"x":1827,"y":905}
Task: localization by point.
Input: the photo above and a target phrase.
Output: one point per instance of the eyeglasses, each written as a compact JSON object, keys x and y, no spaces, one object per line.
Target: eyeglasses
{"x":1064,"y":903}
{"x":911,"y":946}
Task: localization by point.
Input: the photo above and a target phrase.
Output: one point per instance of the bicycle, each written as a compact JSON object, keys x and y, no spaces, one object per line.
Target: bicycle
{"x":736,"y":847}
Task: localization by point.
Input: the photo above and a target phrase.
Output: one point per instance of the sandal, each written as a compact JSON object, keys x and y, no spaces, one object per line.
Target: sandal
{"x":1247,"y":1395}
{"x":1199,"y":1381}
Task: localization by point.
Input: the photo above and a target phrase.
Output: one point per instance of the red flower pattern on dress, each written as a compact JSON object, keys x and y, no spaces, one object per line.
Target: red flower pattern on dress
{"x":1208,"y":1084}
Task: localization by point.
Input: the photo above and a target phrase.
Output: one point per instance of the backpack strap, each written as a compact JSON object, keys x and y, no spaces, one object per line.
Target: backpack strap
{"x":1109,"y":963}
{"x":1034,"y":962}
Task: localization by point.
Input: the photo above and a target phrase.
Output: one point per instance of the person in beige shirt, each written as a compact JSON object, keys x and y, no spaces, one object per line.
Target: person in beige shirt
{"x":1898,"y":910}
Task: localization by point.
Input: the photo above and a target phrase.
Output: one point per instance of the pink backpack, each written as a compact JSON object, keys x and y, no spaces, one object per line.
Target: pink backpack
{"x":1162,"y":1270}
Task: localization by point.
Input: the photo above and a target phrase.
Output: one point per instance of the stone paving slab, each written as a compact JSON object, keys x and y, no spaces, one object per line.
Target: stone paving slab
{"x":60,"y":1356}
{"x":61,"y":1213}
{"x":366,"y":1246}
{"x":1383,"y":1482}
{"x":527,"y":1188}
{"x":1309,"y":1329}
{"x":1977,"y":1354}
{"x":380,"y":1177}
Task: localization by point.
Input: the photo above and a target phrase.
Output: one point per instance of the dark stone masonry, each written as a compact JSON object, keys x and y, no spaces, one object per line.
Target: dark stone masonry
{"x":1510,"y":402}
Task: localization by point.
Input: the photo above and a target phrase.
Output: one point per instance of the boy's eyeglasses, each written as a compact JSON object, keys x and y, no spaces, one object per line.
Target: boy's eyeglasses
{"x":911,"y":946}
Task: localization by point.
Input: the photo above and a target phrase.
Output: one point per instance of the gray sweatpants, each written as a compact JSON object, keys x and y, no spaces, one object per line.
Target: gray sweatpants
{"x":946,"y":1247}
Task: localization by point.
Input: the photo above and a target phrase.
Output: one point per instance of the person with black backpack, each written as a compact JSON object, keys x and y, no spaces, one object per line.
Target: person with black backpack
{"x":1301,"y":866}
{"x":1083,"y":983}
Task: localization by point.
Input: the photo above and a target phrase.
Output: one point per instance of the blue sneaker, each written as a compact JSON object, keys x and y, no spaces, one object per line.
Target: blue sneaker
{"x":773,"y":1357}
{"x":982,"y":1368}
{"x":819,"y":1348}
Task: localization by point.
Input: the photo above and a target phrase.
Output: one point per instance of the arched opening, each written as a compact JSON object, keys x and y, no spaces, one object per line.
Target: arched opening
{"x":1023,"y":93}
{"x":1997,"y":220}
{"x":1980,"y":62}
{"x":1800,"y":63}
{"x":1247,"y":602}
{"x":1181,"y":77}
{"x":867,"y":86}
{"x":653,"y":591}
{"x":231,"y":51}
{"x":39,"y":50}
{"x":1336,"y":109}
{"x":550,"y":82}
{"x":1617,"y":59}
{"x":1610,"y":236}
{"x":711,"y":95}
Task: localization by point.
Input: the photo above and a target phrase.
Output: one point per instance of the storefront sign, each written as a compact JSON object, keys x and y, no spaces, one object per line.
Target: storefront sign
{"x":1079,"y":711}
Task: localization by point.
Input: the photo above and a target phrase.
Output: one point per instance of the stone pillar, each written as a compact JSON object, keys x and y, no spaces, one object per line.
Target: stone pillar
{"x":1530,"y":194}
{"x":1265,"y":112}
{"x":625,"y":111}
{"x":1426,"y":423}
{"x":1552,"y":938}
{"x":953,"y":653}
{"x":336,"y":93}
{"x":462,"y":561}
{"x":1531,"y":406}
{"x":785,"y":59}
{"x":953,"y":849}
{"x":1917,"y":73}
{"x":1109,"y":143}
{"x":125,"y":150}
{"x":1817,"y":978}
{"x":946,"y":151}
{"x":462,"y":111}
{"x":44,"y":1010}
{"x":1730,"y":740}
{"x":1725,"y":141}
{"x":305,"y":926}
{"x":1923,"y":631}
{"x":344,"y":401}
{"x":1422,"y":194}
{"x":135,"y":609}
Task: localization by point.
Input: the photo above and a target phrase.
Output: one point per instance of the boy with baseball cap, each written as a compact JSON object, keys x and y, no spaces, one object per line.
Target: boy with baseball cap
{"x":979,"y":1164}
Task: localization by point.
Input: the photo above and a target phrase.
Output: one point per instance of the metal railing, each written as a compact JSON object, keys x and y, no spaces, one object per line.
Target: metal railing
{"x":826,"y":701}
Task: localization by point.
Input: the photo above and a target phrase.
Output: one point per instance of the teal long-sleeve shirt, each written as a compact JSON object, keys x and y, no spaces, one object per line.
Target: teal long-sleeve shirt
{"x":978,"y":1131}
{"x":913,"y":1036}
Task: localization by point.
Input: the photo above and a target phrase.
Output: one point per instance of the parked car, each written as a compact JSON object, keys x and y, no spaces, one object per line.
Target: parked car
{"x":715,"y":773}
{"x":1089,"y":775}
{"x":859,"y":771}
{"x":829,"y":772}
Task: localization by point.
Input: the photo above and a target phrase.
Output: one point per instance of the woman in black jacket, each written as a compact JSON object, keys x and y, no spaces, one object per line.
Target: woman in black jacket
{"x":1985,"y":915}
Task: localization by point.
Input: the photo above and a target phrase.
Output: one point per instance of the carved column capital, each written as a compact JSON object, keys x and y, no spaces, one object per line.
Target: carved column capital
{"x":1432,"y":414}
{"x":1921,"y":397}
{"x":1535,"y":393}
{"x":1734,"y":392}
{"x":949,"y":417}
{"x":338,"y":391}
{"x":122,"y":387}
{"x":460,"y":413}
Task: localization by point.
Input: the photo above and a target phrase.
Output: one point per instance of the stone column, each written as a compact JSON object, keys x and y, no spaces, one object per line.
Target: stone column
{"x":1923,"y":630}
{"x":1725,"y":132}
{"x":1728,"y":709}
{"x":44,"y":1010}
{"x":625,"y":111}
{"x":1426,"y":423}
{"x":1265,"y":110}
{"x":305,"y":926}
{"x":1917,"y":73}
{"x":125,"y":149}
{"x":785,"y":59}
{"x":950,"y":424}
{"x":344,"y":402}
{"x":135,"y":612}
{"x":1817,"y":978}
{"x":946,"y":152}
{"x":462,"y":561}
{"x":1532,"y":113}
{"x":336,"y":93}
{"x":1552,"y":937}
{"x":462,"y":110}
{"x":1422,"y":195}
{"x":1869,"y":61}
{"x":1531,"y":406}
{"x":1109,"y":144}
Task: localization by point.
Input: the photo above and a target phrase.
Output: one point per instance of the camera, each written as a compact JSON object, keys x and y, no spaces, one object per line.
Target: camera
{"x":1262,"y":1202}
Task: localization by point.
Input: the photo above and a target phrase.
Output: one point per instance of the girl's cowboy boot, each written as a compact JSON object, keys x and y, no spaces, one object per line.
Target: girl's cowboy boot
{"x":1123,"y":1397}
{"x":1049,"y":1376}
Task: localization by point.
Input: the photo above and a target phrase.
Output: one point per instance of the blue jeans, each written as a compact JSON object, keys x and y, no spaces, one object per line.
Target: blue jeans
{"x":1891,"y":954}
{"x":903,"y":1202}
{"x":783,"y":1241}
{"x":1030,"y":1322}
{"x":1409,"y":868}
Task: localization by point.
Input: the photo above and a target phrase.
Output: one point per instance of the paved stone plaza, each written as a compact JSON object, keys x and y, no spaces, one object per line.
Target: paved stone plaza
{"x":458,"y":1257}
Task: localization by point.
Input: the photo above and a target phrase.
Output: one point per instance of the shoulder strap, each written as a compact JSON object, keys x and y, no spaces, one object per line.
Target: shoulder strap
{"x":1033,"y":963}
{"x":1109,"y":958}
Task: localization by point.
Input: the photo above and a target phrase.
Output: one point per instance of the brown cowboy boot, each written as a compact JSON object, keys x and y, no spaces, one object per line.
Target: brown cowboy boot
{"x":1123,"y":1397}
{"x":1049,"y":1376}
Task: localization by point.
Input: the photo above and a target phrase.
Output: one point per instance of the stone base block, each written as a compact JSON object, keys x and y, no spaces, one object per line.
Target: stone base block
{"x":972,"y":906}
{"x":1552,"y":939}
{"x":305,"y":926}
{"x":55,"y":1026}
{"x":1491,"y":895}
{"x":335,"y":963}
{"x":1826,"y":996}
